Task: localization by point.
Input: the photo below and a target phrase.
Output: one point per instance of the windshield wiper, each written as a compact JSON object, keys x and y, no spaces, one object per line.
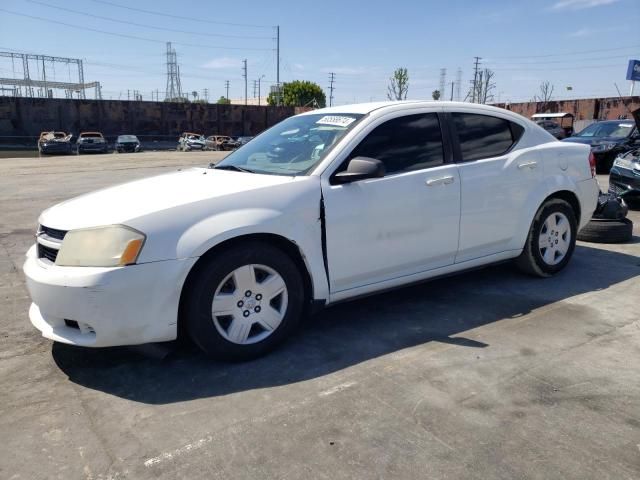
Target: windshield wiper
{"x":231,"y":167}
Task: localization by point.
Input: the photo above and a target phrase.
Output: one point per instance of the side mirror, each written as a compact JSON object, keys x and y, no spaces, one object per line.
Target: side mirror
{"x":360,"y":168}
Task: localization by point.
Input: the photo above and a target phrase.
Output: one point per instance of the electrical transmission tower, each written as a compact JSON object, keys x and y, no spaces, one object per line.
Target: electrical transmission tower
{"x":458,"y":84}
{"x":474,"y":83}
{"x":226,"y":86}
{"x":244,"y":75}
{"x":174,"y":89}
{"x":443,"y":81}
{"x":332,"y":78}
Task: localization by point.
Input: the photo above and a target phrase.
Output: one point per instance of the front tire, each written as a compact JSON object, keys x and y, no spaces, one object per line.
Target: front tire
{"x":551,"y":239}
{"x":243,"y":302}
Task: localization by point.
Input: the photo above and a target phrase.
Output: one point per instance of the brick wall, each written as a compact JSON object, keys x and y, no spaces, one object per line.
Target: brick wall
{"x":610,"y":108}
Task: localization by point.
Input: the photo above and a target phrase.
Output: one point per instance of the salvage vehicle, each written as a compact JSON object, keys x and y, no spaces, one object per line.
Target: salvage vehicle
{"x":221,"y":142}
{"x":127,"y":143}
{"x":52,"y":143}
{"x":607,"y":140}
{"x":562,"y":120}
{"x":91,"y":142}
{"x":323,"y":207}
{"x":243,"y":140}
{"x":191,"y":141}
{"x":553,"y":128}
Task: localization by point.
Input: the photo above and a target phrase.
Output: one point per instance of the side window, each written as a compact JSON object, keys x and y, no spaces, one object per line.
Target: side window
{"x":483,"y":136}
{"x":412,"y":142}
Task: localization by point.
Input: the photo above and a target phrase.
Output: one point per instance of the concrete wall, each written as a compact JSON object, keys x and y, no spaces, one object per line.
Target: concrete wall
{"x":611,"y":108}
{"x":27,"y":117}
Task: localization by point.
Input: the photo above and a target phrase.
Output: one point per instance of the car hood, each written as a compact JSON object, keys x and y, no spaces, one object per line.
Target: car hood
{"x":123,"y":204}
{"x":593,"y":141}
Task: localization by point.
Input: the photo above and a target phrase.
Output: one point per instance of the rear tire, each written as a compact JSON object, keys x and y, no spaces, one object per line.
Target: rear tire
{"x":243,"y":302}
{"x":551,"y":239}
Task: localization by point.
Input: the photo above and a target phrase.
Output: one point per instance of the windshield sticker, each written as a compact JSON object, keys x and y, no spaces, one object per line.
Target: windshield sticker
{"x":336,"y":120}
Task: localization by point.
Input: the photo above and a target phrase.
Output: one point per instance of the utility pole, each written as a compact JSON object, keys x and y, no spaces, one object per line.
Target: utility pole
{"x":278,"y":64}
{"x":245,"y":80}
{"x":332,"y":77}
{"x":226,"y":85}
{"x":458,"y":84}
{"x":259,"y":80}
{"x":255,"y":88}
{"x":443,"y":82}
{"x":452,"y":84}
{"x":475,"y":79}
{"x":206,"y":95}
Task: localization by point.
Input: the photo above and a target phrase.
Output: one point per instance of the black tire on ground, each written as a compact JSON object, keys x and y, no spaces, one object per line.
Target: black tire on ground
{"x":531,"y":260}
{"x":600,"y":230}
{"x":197,"y":309}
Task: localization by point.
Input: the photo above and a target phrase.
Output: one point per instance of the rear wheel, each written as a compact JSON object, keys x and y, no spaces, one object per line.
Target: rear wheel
{"x":244,"y":302}
{"x":551,"y":240}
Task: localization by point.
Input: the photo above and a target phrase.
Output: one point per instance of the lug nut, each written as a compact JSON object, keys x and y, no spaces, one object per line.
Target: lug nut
{"x":259,"y":296}
{"x":257,"y":309}
{"x":247,"y":293}
{"x":246,"y":313}
{"x":240,"y":304}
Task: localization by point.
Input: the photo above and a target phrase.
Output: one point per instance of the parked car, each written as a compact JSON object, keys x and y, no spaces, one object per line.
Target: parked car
{"x":553,"y":128}
{"x":191,"y":141}
{"x":323,"y":207}
{"x":52,"y":143}
{"x":220,"y":142}
{"x":243,"y":140}
{"x":563,"y":120}
{"x":91,"y":142}
{"x":608,"y":139}
{"x":127,"y":143}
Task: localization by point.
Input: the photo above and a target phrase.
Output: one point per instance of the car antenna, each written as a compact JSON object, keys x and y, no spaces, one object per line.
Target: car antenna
{"x":622,"y":100}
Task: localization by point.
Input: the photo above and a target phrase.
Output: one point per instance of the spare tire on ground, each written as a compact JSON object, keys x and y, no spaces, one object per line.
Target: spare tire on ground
{"x":604,"y":230}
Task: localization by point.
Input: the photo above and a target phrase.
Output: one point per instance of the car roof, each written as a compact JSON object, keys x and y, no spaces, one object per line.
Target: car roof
{"x":365,"y":108}
{"x":90,"y":133}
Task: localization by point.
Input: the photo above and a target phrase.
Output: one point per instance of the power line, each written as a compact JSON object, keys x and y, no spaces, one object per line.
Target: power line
{"x":124,"y":35}
{"x":609,"y":57}
{"x":572,"y":53}
{"x":143,"y":25}
{"x":190,"y":19}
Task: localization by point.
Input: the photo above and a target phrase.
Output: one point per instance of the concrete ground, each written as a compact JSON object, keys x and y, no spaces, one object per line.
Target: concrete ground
{"x":485,"y":375}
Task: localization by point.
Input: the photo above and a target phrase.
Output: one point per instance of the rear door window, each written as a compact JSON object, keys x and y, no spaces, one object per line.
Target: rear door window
{"x":484,"y":136}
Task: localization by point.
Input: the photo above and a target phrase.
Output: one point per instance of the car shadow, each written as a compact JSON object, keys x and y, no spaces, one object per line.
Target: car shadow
{"x":347,"y":334}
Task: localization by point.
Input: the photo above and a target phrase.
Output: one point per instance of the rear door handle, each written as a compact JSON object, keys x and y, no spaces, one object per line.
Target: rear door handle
{"x":530,"y":165}
{"x":439,"y":181}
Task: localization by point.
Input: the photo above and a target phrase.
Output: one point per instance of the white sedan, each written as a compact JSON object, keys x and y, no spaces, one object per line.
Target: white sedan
{"x":323,"y":207}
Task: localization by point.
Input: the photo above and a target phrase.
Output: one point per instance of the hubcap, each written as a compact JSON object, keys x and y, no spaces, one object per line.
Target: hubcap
{"x":249,"y":304}
{"x":555,"y":238}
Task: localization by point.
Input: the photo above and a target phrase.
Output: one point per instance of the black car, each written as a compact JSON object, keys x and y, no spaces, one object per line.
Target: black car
{"x":624,"y":178}
{"x":91,"y":142}
{"x":608,"y":139}
{"x":127,"y":143}
{"x":54,"y":143}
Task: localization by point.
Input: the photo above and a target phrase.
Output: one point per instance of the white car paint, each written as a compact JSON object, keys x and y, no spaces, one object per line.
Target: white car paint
{"x":380,"y":233}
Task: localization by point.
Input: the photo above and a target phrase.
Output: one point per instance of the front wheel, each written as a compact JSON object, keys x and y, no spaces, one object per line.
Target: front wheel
{"x":244,"y":302}
{"x":551,"y":240}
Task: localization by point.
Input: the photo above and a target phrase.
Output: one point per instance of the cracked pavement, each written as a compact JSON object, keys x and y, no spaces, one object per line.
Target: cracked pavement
{"x":485,"y":375}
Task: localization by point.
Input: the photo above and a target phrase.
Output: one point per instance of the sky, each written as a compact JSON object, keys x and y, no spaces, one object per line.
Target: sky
{"x":582,"y":44}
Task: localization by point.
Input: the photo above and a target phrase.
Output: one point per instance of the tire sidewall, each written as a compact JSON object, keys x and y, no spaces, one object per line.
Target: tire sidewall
{"x":200,"y":324}
{"x":549,"y":208}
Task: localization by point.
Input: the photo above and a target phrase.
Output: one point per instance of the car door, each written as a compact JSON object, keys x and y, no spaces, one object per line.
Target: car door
{"x":497,"y":181}
{"x":403,"y":223}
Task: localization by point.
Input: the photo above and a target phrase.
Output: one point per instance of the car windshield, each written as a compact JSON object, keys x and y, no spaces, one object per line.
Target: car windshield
{"x":91,"y":135}
{"x":607,"y":129}
{"x":293,"y":146}
{"x":127,"y":138}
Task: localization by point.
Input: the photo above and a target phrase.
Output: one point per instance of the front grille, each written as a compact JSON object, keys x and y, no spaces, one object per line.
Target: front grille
{"x":47,"y":252}
{"x":53,"y":233}
{"x":613,"y":188}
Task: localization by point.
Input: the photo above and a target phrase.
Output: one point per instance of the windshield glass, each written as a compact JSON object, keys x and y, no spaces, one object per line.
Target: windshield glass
{"x":127,"y":138}
{"x":91,"y":135}
{"x":293,"y":146}
{"x":607,"y":129}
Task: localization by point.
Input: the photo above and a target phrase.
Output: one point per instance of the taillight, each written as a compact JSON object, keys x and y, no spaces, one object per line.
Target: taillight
{"x":592,"y":164}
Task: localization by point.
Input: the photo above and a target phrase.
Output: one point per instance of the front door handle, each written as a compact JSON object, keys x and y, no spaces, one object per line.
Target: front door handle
{"x":530,"y":165}
{"x":439,"y":181}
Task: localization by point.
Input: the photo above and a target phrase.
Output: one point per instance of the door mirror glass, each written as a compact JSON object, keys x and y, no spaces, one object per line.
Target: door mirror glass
{"x":360,"y":168}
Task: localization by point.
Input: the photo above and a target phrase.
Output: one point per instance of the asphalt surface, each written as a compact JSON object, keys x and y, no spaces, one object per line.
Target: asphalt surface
{"x":485,"y":375}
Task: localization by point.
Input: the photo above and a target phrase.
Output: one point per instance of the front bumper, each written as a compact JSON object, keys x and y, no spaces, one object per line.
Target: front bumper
{"x":623,"y":181}
{"x":105,"y":307}
{"x":56,"y":148}
{"x":93,"y":147}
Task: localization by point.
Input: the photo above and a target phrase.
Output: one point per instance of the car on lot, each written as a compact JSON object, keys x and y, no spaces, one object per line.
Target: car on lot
{"x":243,"y":140}
{"x":553,"y":128}
{"x":91,"y":142}
{"x":608,"y":139}
{"x":54,"y":143}
{"x":189,"y":141}
{"x":127,"y":143}
{"x":221,"y":142}
{"x":323,"y":207}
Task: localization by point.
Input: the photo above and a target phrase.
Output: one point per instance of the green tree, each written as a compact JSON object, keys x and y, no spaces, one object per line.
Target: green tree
{"x":435,"y":94}
{"x":299,"y":93}
{"x":223,"y":101}
{"x":398,"y":85}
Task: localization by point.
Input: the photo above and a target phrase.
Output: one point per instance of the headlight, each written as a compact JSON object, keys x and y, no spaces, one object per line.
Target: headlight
{"x":111,"y":246}
{"x":603,"y":147}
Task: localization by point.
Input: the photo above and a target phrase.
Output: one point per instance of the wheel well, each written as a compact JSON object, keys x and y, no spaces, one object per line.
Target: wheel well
{"x":570,"y":198}
{"x":282,"y":243}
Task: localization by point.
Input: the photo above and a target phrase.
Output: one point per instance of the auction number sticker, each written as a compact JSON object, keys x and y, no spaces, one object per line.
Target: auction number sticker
{"x":336,"y":120}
